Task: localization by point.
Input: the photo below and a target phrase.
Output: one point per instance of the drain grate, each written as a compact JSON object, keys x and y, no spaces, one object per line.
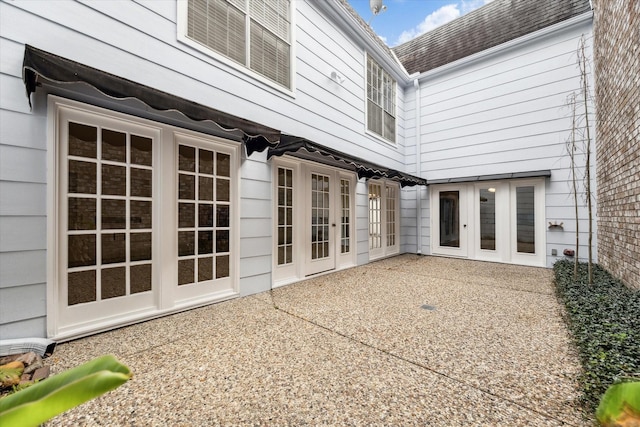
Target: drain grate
{"x":427,"y":307}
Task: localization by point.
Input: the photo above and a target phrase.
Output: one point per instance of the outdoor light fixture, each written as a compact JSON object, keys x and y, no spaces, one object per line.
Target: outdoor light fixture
{"x":491,"y":190}
{"x":337,"y":77}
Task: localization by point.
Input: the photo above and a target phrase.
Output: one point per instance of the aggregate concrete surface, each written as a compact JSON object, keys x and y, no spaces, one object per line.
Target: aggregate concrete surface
{"x":409,"y":340}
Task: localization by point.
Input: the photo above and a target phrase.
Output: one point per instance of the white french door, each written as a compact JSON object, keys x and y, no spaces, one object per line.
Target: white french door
{"x":143,"y":219}
{"x":106,"y":227}
{"x":384,"y":214}
{"x":314,"y":220}
{"x":206,"y":183}
{"x":501,"y":221}
{"x":450,"y":228}
{"x":321,"y":227}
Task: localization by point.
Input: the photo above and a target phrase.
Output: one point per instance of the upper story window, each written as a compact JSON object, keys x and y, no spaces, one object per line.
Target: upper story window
{"x":254,"y":33}
{"x":381,"y":101}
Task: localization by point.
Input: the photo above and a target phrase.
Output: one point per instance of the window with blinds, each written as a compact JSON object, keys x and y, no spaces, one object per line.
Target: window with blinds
{"x":254,"y":33}
{"x":381,"y":101}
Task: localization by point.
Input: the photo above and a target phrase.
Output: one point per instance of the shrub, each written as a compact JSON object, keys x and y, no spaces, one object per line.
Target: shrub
{"x":604,"y":319}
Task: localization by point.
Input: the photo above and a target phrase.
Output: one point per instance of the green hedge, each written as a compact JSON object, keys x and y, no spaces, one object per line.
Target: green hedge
{"x":604,"y":319}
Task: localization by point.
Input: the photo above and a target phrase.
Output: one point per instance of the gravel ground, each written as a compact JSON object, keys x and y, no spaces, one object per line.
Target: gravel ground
{"x":356,"y":347}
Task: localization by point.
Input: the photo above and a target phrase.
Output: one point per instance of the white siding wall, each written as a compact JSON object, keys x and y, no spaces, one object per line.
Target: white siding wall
{"x":508,"y":113}
{"x":138,"y":40}
{"x":22,"y":202}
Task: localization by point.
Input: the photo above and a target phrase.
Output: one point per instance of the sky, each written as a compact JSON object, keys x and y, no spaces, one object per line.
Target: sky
{"x":404,"y":20}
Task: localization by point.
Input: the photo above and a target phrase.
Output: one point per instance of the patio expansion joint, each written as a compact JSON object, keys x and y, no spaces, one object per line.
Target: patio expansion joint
{"x":484,"y":284}
{"x":414,"y":363}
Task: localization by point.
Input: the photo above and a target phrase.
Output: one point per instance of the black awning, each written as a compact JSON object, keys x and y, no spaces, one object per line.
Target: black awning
{"x":61,"y":70}
{"x":495,"y":177}
{"x":364,"y":169}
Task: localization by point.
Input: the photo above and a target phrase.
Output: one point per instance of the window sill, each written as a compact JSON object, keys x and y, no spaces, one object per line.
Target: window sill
{"x":381,"y":138}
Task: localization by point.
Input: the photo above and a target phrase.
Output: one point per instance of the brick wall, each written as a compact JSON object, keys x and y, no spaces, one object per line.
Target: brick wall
{"x":617,"y":83}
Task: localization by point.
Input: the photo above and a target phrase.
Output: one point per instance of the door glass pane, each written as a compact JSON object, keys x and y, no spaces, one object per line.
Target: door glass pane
{"x":141,"y":150}
{"x":113,"y":248}
{"x":140,"y":214}
{"x":114,"y":146}
{"x":114,"y":282}
{"x":82,"y":214}
{"x":140,"y":247}
{"x":525,"y":219}
{"x":205,"y":162}
{"x":205,"y":269}
{"x":114,"y":180}
{"x":488,"y":219}
{"x":82,"y":177}
{"x":140,"y":278}
{"x":82,"y":140}
{"x":81,"y":250}
{"x":81,"y":287}
{"x":375,"y":216}
{"x":114,"y":214}
{"x":222,"y":266}
{"x":141,"y":182}
{"x":450,"y":219}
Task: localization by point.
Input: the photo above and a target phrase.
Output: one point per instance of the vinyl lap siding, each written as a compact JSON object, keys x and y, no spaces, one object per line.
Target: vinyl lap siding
{"x":508,"y":113}
{"x":22,"y":204}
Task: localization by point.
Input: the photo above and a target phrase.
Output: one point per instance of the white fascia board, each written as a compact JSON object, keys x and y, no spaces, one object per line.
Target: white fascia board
{"x":511,"y":44}
{"x":336,"y":11}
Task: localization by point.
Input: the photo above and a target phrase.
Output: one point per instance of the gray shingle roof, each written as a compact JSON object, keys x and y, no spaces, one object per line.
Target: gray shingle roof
{"x":485,"y":27}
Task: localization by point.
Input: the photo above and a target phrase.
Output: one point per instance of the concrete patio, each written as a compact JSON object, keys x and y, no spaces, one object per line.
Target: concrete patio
{"x":408,"y":340}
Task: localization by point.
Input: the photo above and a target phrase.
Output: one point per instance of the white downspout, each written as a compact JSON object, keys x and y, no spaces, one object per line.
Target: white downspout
{"x":416,"y":84}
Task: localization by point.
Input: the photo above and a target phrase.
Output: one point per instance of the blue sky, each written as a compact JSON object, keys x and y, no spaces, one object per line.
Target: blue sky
{"x":406,"y":19}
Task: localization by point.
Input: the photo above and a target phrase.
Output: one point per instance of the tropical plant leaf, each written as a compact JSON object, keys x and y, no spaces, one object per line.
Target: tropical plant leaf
{"x":620,"y":404}
{"x":57,"y":394}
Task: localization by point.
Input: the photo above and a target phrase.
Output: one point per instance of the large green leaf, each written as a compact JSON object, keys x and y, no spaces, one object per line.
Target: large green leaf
{"x":620,"y":404}
{"x":36,"y":404}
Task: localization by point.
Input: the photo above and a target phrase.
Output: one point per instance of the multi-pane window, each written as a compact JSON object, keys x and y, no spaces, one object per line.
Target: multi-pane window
{"x":345,"y":217}
{"x":285,"y":216}
{"x":381,"y":101}
{"x":109,"y":180}
{"x":204,"y":208}
{"x":254,"y":33}
{"x":391,"y":215}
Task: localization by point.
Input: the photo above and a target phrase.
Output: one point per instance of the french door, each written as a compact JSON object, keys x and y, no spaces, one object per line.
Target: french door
{"x":450,"y":228}
{"x":314,"y":213}
{"x":143,"y":219}
{"x":321,"y":227}
{"x":500,"y":221}
{"x":384,"y":214}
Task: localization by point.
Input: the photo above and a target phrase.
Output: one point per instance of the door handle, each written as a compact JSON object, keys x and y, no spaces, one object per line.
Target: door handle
{"x":464,"y":225}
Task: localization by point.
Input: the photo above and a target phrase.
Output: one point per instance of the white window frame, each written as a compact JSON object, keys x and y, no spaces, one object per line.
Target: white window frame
{"x":368,"y":58}
{"x":166,"y":299}
{"x":182,"y":26}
